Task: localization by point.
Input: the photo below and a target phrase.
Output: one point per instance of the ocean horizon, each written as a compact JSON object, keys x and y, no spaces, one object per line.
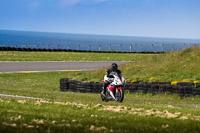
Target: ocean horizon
{"x":42,"y":39}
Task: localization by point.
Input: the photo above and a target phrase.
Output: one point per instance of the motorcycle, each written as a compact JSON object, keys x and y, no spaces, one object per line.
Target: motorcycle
{"x":114,"y":91}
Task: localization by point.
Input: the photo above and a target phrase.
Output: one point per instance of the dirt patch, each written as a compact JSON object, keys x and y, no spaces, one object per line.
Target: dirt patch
{"x":21,"y":101}
{"x":10,"y":125}
{"x":78,"y":105}
{"x":37,"y":121}
{"x":16,"y":118}
{"x":150,"y":112}
{"x":98,"y":129}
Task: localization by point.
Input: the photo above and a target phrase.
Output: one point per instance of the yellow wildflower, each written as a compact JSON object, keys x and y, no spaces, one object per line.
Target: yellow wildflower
{"x":152,"y":78}
{"x":186,"y":80}
{"x":196,"y":82}
{"x":133,"y":80}
{"x":174,"y":83}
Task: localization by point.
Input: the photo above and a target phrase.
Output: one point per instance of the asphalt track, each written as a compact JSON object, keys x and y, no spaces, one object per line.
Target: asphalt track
{"x":28,"y":66}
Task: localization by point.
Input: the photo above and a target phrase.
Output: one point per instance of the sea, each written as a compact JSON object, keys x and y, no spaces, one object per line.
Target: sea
{"x":31,"y":39}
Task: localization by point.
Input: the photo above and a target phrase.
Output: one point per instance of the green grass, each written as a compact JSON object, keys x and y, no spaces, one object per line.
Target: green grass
{"x":67,"y":56}
{"x":53,"y":117}
{"x":86,"y":112}
{"x":171,"y":66}
{"x":46,"y":85}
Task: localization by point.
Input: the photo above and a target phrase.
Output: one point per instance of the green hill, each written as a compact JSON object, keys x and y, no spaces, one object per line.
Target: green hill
{"x":171,"y":66}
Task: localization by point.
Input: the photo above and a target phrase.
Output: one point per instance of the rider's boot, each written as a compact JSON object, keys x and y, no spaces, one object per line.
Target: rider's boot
{"x":104,"y":88}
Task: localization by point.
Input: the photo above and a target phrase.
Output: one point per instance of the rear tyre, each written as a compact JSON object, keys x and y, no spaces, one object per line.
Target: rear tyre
{"x":120,"y":95}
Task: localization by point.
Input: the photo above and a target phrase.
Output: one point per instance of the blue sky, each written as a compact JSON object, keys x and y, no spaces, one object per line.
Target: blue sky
{"x":150,"y":18}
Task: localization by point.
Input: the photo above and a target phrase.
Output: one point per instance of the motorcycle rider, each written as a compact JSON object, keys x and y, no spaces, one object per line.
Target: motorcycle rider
{"x":109,"y":73}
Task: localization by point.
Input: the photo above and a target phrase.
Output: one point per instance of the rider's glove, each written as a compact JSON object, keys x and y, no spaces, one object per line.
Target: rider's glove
{"x":110,"y":76}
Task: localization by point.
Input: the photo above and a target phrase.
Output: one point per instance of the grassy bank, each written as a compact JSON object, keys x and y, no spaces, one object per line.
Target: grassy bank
{"x":76,"y":112}
{"x":68,"y":56}
{"x":171,"y":66}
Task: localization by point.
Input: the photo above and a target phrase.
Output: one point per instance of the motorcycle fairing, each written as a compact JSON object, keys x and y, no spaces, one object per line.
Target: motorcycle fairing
{"x":111,"y":87}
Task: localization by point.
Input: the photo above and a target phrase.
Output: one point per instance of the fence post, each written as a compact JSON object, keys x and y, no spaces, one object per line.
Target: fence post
{"x":120,"y":47}
{"x":174,"y":47}
{"x":141,"y":47}
{"x":162,"y":47}
{"x":152,"y":47}
{"x":110,"y":48}
{"x":89,"y":47}
{"x":78,"y":47}
{"x":131,"y":46}
{"x":99,"y":47}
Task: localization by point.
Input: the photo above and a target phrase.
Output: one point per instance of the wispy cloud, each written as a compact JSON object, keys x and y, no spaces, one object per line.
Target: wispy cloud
{"x":98,"y":1}
{"x":65,"y":3}
{"x":33,"y":6}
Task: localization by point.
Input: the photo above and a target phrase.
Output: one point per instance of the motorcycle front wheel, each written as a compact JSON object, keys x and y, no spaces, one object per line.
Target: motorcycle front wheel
{"x":120,"y":95}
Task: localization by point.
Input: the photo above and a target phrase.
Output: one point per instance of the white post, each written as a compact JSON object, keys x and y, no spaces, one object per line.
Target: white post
{"x":131,"y":46}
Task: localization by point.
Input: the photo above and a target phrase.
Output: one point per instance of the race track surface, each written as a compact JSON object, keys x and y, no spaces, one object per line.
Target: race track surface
{"x":11,"y":67}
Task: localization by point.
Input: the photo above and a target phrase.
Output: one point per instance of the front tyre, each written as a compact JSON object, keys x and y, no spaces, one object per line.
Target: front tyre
{"x":120,"y":95}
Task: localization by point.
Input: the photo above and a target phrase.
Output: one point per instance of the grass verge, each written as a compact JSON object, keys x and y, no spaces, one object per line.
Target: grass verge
{"x":76,"y":112}
{"x":68,"y":56}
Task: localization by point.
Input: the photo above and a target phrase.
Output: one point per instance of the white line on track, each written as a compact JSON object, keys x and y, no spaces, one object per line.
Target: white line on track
{"x":22,"y":97}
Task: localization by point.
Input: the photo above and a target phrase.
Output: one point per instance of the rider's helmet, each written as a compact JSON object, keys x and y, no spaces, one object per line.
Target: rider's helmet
{"x":114,"y":66}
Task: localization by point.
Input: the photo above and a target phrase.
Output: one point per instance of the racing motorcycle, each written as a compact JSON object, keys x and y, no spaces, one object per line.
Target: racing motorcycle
{"x":114,"y":91}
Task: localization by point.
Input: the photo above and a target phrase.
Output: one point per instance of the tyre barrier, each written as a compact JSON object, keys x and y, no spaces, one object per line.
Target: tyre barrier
{"x":71,"y":50}
{"x":66,"y":84}
{"x":183,"y":89}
